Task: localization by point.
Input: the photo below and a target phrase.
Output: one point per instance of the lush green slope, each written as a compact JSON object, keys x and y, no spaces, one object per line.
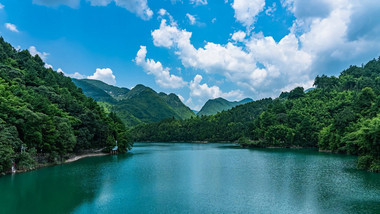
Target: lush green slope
{"x":219,"y":104}
{"x":341,"y":115}
{"x":146,"y":105}
{"x":44,"y":116}
{"x":173,"y":101}
{"x":92,"y":91}
{"x":139,"y":105}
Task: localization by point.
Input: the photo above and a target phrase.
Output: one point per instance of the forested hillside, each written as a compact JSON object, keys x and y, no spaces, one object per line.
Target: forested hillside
{"x":341,"y":115}
{"x":219,"y":104}
{"x":139,"y":105}
{"x":44,"y":116}
{"x":225,"y":126}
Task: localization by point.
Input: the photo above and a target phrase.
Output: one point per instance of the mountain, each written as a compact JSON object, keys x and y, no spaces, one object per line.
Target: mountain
{"x":93,"y":91}
{"x":173,"y":100}
{"x":45,"y":118}
{"x":148,"y":106}
{"x":219,"y":104}
{"x":138,"y":105}
{"x":115,"y":92}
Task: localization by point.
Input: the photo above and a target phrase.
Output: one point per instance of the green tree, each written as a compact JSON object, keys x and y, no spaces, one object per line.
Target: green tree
{"x":296,"y":93}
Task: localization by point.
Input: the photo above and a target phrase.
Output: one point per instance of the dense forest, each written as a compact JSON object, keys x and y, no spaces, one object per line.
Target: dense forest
{"x":44,"y":117}
{"x":340,"y":115}
{"x":225,"y":126}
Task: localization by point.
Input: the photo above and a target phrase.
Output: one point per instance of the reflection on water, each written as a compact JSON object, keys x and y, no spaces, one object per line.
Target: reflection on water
{"x":196,"y":178}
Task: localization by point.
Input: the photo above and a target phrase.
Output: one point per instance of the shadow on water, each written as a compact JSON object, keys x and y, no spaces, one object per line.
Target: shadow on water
{"x":153,"y":147}
{"x":144,"y":144}
{"x":229,"y":146}
{"x":300,"y":151}
{"x":57,"y":188}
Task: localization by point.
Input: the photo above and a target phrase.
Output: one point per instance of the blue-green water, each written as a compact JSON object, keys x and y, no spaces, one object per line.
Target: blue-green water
{"x":196,"y":178}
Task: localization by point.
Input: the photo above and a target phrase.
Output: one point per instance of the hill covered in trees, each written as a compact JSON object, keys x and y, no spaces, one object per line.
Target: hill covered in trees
{"x":225,"y":126}
{"x":139,"y":105}
{"x":219,"y":104}
{"x":44,"y":117}
{"x":340,"y":115}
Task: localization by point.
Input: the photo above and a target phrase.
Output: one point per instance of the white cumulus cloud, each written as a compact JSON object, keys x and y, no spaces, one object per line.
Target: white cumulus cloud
{"x":48,"y":66}
{"x":75,"y":75}
{"x":167,"y":35}
{"x":247,"y":10}
{"x":200,"y":93}
{"x":105,"y":75}
{"x":139,"y":7}
{"x":33,"y":51}
{"x":43,"y":55}
{"x":191,"y":18}
{"x":203,"y":90}
{"x":163,"y":13}
{"x":11,"y":27}
{"x":162,"y":75}
{"x":311,"y":8}
{"x":338,"y":33}
{"x":238,"y":36}
{"x":228,"y":60}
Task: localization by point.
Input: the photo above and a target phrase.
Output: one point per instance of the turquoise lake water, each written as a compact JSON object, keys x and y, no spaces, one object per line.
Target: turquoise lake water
{"x":196,"y":178}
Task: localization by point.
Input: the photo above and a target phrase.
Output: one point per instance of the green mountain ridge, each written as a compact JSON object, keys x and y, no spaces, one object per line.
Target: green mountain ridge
{"x":214,"y":106}
{"x":141,"y":104}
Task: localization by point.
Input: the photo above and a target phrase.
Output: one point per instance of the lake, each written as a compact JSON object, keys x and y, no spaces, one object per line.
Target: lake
{"x":196,"y":178}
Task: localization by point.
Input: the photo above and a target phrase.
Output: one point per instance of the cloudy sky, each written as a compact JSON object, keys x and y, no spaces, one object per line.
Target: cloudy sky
{"x":198,"y":49}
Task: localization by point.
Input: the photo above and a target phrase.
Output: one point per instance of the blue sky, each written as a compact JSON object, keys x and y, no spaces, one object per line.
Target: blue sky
{"x":198,"y":49}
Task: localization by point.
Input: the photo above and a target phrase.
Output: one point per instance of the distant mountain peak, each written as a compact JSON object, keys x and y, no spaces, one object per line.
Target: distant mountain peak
{"x":140,"y":104}
{"x":219,"y":104}
{"x":246,"y":100}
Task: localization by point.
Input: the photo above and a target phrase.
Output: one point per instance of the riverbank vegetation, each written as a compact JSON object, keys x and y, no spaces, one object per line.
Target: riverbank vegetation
{"x":44,"y":117}
{"x":340,"y":115}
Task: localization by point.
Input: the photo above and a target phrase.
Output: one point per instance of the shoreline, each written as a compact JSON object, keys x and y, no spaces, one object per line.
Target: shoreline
{"x":70,"y":160}
{"x":78,"y":157}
